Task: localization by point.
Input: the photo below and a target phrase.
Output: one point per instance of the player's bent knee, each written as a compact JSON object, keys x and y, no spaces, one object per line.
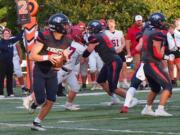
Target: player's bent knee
{"x":168,"y":87}
{"x":40,"y":101}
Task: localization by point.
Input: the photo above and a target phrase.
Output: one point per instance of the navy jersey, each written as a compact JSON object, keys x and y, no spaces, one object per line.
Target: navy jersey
{"x":51,"y":46}
{"x":147,"y":54}
{"x":6,"y":48}
{"x":105,"y":49}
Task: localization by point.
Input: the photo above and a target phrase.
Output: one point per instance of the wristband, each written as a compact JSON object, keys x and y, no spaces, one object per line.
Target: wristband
{"x":45,"y":57}
{"x":86,"y":54}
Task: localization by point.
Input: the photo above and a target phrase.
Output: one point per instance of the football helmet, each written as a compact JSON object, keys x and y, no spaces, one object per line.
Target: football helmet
{"x":157,"y":20}
{"x":77,"y":34}
{"x":94,"y":27}
{"x":57,"y":23}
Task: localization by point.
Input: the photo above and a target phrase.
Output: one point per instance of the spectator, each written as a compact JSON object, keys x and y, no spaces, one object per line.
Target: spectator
{"x":131,"y":42}
{"x":117,"y":38}
{"x":6,"y":62}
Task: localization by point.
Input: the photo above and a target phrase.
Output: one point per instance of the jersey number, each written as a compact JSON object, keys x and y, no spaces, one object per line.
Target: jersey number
{"x":72,"y":50}
{"x":115,"y":42}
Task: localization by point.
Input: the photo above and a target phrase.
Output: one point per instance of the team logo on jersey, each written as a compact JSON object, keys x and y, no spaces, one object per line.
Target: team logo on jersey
{"x":54,"y":50}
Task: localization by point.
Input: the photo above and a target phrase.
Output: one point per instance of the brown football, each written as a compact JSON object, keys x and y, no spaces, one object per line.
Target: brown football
{"x":60,"y":60}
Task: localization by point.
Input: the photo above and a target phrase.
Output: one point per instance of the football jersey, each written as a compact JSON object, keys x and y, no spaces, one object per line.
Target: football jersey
{"x":115,"y":37}
{"x":51,"y":46}
{"x":147,"y":50}
{"x":75,"y":50}
{"x":105,"y":48}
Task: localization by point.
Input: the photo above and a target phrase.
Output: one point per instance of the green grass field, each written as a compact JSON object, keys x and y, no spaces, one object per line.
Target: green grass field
{"x":94,"y":118}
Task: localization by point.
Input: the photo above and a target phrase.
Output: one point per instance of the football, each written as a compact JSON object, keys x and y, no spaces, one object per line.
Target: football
{"x":60,"y":60}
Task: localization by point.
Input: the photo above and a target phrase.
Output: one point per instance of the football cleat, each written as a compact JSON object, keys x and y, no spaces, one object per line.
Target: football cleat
{"x":162,"y":112}
{"x":27,"y":102}
{"x":124,"y":109}
{"x":71,"y":107}
{"x":37,"y":127}
{"x":147,"y":111}
{"x":133,"y":102}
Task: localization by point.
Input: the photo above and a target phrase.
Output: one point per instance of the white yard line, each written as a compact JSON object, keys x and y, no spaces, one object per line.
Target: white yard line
{"x":92,"y":129}
{"x":85,"y":120}
{"x":57,"y":105}
{"x":87,"y":94}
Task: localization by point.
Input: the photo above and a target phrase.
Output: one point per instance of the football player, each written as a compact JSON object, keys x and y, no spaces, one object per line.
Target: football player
{"x":67,"y":73}
{"x":49,"y":55}
{"x":152,"y":55}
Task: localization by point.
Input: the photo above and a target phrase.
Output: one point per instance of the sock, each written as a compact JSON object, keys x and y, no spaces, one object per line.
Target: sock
{"x":161,"y":107}
{"x":129,"y":96}
{"x":149,"y":107}
{"x":37,"y":120}
{"x":125,"y":80}
{"x":68,"y":103}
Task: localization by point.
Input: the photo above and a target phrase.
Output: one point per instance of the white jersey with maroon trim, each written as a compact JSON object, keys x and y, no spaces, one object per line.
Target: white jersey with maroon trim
{"x":115,"y":37}
{"x":75,"y":50}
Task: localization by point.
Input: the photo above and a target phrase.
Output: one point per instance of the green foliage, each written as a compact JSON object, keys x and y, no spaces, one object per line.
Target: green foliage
{"x":122,"y":11}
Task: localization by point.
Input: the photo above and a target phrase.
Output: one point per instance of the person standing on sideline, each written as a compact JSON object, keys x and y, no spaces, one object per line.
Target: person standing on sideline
{"x":17,"y":60}
{"x":118,"y":40}
{"x":6,"y":60}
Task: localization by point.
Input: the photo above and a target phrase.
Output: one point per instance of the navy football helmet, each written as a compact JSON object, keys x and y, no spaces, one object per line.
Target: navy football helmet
{"x":94,"y":27}
{"x":57,"y":23}
{"x":157,"y":20}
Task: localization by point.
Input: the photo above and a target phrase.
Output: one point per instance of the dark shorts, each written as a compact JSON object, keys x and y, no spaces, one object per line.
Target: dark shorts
{"x":45,"y":86}
{"x":135,"y":82}
{"x":110,"y":72}
{"x":156,"y":77}
{"x":122,"y":56}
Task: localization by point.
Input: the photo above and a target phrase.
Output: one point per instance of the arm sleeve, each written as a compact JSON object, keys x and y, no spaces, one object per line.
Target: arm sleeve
{"x":17,"y":38}
{"x":92,"y":39}
{"x":40,"y":37}
{"x":156,"y":52}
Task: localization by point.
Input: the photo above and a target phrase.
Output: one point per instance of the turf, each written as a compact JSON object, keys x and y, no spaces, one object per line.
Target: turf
{"x":94,"y":118}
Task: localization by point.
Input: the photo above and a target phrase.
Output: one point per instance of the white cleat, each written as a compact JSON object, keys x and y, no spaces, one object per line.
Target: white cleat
{"x":162,"y":112}
{"x":27,"y":102}
{"x":147,"y":111}
{"x":2,"y":96}
{"x":133,"y":102}
{"x":71,"y":107}
{"x":114,"y":101}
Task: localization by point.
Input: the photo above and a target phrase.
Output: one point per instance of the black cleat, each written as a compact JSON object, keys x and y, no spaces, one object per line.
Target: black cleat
{"x":37,"y":127}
